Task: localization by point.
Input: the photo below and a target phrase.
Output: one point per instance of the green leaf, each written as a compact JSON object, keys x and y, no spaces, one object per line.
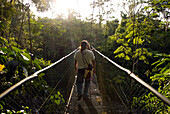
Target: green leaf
{"x":121,"y":55}
{"x":120,"y":41}
{"x":137,"y":40}
{"x":3,"y":103}
{"x":119,"y":49}
{"x":127,"y":57}
{"x":129,"y":35}
{"x":37,"y":64}
{"x":42,"y":74}
{"x":129,"y":40}
{"x":1,"y":107}
{"x":142,"y":57}
{"x":160,"y":63}
{"x":164,"y":69}
{"x":16,"y":49}
{"x":125,"y":44}
{"x":118,"y":81}
{"x":23,"y":61}
{"x":127,"y":50}
{"x":25,"y":71}
{"x":27,"y":56}
{"x":149,"y":54}
{"x":4,"y":50}
{"x":56,"y":96}
{"x":63,"y":99}
{"x":58,"y":93}
{"x":26,"y":107}
{"x":43,"y":82}
{"x":51,"y":97}
{"x":57,"y":102}
{"x":154,"y":15}
{"x":36,"y":61}
{"x":155,"y":62}
{"x":19,"y":112}
{"x":11,"y":54}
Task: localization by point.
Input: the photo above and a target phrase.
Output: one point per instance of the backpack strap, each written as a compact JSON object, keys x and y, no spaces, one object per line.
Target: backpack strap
{"x":84,"y":59}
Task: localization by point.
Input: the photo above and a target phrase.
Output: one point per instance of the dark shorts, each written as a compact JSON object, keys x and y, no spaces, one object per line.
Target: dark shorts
{"x":80,"y":76}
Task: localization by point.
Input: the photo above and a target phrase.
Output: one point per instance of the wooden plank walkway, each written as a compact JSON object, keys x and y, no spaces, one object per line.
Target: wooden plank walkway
{"x":91,"y":105}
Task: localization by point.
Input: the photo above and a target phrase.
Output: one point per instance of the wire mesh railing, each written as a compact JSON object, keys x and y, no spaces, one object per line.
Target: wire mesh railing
{"x":119,"y":87}
{"x":46,"y":91}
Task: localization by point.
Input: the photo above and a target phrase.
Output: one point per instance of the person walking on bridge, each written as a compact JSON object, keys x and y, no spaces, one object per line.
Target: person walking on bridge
{"x":84,"y":65}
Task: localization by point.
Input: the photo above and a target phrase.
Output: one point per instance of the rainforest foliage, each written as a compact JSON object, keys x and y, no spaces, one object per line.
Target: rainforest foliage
{"x":140,"y":41}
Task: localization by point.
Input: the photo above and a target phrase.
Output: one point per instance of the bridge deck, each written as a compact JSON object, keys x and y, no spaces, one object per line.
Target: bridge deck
{"x":91,"y":105}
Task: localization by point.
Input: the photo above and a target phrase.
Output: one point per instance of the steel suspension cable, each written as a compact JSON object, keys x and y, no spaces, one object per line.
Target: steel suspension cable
{"x":54,"y":88}
{"x":71,"y":93}
{"x":163,"y":98}
{"x":33,"y":76}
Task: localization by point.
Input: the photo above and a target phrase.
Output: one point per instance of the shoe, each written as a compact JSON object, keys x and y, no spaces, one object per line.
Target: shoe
{"x":79,"y":97}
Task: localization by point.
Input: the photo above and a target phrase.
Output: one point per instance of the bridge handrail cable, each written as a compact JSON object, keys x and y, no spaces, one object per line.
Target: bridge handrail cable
{"x":71,"y":93}
{"x":33,"y":75}
{"x":159,"y":95}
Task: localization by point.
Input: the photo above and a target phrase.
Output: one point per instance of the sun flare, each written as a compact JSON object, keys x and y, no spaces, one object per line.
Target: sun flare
{"x":62,"y":6}
{"x":82,"y":7}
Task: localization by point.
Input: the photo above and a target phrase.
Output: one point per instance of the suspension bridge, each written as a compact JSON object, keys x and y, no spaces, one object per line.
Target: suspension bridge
{"x":51,"y":90}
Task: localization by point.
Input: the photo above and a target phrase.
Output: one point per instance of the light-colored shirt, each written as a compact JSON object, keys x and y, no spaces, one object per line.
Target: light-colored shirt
{"x":88,"y":56}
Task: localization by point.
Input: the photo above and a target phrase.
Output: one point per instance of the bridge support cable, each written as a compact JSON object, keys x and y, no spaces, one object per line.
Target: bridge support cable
{"x":46,"y":87}
{"x":33,"y":75}
{"x":71,"y":93}
{"x":140,"y":81}
{"x":53,"y":91}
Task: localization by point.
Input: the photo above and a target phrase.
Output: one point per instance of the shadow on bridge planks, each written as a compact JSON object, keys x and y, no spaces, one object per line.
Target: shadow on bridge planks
{"x":91,"y":105}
